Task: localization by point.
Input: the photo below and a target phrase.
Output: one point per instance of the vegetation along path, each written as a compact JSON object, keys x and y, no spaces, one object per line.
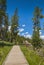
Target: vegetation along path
{"x":15,"y":57}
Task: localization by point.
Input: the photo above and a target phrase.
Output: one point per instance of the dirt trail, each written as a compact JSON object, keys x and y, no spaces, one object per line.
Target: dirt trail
{"x":15,"y":57}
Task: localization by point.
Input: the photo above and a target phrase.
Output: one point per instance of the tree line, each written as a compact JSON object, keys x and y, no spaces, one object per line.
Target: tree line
{"x":5,"y":34}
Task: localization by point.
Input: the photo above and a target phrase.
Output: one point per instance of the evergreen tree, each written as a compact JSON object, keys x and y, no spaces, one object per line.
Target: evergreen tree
{"x":36,"y":41}
{"x":6,"y":24}
{"x":2,"y":16}
{"x":14,"y":25}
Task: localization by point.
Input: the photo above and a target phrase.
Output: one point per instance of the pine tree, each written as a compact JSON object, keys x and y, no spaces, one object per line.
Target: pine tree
{"x":6,"y":24}
{"x":2,"y":15}
{"x":36,"y":41}
{"x":14,"y":25}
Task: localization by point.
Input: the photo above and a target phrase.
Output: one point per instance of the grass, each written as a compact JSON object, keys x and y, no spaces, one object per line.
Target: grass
{"x":4,"y":50}
{"x":32,"y":57}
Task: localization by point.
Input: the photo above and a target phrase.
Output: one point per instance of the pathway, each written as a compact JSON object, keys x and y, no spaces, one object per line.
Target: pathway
{"x":15,"y":57}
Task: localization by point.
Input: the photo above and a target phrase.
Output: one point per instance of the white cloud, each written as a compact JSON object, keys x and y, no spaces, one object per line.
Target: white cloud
{"x":9,"y":28}
{"x":23,"y":25}
{"x":42,"y":37}
{"x":26,"y":33}
{"x":28,"y":36}
{"x":21,"y":30}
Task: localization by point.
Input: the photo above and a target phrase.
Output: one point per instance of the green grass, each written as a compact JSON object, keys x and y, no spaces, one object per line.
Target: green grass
{"x":4,"y":50}
{"x":32,"y":57}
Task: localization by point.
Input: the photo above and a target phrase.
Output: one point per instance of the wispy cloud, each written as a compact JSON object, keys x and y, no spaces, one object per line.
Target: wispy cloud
{"x":23,"y":25}
{"x":28,"y":36}
{"x":26,"y":33}
{"x":21,"y":29}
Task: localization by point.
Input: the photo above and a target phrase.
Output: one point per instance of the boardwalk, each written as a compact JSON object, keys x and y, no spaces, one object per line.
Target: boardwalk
{"x":15,"y":57}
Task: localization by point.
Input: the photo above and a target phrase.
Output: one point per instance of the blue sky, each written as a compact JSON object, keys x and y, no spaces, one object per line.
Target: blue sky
{"x":25,"y":13}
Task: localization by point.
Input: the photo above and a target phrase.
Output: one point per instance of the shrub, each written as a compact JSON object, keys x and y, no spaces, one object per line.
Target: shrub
{"x":37,"y":43}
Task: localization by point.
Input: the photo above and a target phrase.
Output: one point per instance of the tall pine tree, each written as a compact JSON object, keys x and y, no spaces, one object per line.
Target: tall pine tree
{"x":2,"y":16}
{"x":6,"y":24}
{"x":36,"y":41}
{"x":14,"y":25}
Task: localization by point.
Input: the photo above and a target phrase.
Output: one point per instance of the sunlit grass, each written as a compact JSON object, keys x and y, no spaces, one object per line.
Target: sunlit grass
{"x":32,"y":57}
{"x":3,"y":53}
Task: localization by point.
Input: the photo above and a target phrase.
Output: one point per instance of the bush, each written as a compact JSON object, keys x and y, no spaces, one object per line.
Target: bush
{"x":37,"y":43}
